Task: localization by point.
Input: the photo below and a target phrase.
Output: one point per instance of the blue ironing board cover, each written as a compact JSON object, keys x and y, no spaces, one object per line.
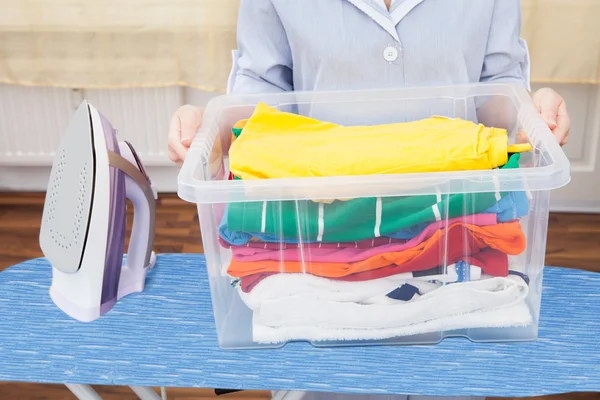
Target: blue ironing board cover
{"x":166,"y":337}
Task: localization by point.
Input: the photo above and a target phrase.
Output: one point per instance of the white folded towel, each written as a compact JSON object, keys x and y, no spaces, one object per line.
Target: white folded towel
{"x":306,"y":286}
{"x":282,"y":313}
{"x":517,"y":315}
{"x":280,"y":286}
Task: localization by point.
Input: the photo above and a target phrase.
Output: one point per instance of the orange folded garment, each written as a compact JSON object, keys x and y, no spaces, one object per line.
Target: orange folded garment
{"x":445,"y":245}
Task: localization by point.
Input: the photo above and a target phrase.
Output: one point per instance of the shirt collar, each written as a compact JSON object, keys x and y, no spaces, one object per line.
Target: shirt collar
{"x":387,"y":20}
{"x":401,"y":8}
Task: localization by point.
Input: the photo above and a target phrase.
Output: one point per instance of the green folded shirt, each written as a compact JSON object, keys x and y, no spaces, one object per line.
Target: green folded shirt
{"x":358,"y":219}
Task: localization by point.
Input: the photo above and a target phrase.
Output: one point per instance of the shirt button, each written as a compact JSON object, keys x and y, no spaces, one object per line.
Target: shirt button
{"x":390,"y":54}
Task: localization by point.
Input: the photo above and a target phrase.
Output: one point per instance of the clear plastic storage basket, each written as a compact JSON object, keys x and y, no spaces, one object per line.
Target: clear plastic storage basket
{"x":393,"y":258}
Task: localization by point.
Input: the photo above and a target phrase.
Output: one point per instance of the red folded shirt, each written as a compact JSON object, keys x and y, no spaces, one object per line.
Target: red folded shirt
{"x":492,"y":262}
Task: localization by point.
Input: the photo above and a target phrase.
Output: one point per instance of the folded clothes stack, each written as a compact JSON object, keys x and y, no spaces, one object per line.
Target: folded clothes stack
{"x":374,"y":267}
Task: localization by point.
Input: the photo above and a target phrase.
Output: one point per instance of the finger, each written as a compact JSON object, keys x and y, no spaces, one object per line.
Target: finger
{"x":177,"y":153}
{"x":175,"y":158}
{"x":191,"y":120}
{"x":563,"y":120}
{"x":548,"y":104}
{"x":565,"y":139}
{"x":174,"y":140}
{"x":174,"y":129}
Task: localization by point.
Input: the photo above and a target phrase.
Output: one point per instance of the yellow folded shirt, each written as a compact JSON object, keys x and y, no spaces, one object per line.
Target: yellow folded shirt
{"x":275,"y":144}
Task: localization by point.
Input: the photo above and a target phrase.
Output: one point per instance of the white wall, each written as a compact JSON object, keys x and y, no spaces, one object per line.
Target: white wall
{"x":32,"y":121}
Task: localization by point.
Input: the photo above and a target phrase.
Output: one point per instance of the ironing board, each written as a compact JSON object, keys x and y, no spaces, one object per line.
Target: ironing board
{"x":166,"y":337}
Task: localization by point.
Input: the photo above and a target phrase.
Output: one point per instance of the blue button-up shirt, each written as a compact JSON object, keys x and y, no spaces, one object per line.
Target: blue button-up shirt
{"x":286,"y":45}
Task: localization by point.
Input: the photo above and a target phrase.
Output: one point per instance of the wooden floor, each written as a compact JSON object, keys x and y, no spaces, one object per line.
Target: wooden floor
{"x":573,"y":242}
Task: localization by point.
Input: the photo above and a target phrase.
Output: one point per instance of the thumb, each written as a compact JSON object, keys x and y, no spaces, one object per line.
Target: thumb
{"x":548,"y":102}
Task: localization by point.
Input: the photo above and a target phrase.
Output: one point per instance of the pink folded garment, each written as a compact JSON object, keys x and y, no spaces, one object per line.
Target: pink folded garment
{"x":350,"y":252}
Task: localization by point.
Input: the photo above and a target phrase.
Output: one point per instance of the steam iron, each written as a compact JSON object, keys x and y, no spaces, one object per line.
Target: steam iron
{"x":83,"y":227}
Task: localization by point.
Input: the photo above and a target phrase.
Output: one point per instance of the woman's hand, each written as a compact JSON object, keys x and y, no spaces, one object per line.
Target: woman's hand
{"x":553,"y":109}
{"x":185,"y":123}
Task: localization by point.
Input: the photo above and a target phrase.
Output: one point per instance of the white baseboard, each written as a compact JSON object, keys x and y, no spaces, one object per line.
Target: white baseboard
{"x":580,"y":207}
{"x":35,"y":179}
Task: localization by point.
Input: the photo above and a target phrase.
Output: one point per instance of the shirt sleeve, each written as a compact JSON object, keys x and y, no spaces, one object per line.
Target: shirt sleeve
{"x":507,"y":57}
{"x":263,"y":61}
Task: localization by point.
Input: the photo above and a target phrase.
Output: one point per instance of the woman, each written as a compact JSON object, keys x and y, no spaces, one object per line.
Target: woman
{"x":368,"y":44}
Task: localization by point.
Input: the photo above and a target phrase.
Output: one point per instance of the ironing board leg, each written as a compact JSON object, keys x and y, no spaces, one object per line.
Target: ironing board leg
{"x":145,"y":393}
{"x":83,"y":392}
{"x":287,"y":395}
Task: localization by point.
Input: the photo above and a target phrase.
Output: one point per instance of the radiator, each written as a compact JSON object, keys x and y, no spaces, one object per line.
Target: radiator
{"x":33,"y":119}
